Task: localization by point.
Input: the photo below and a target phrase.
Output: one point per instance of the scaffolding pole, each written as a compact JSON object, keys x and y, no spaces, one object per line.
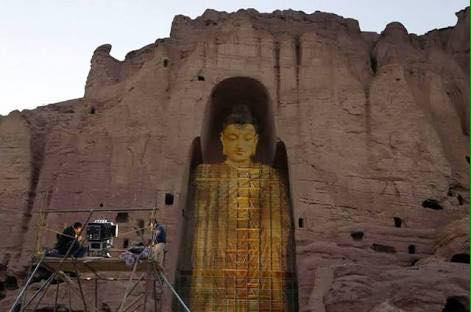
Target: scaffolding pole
{"x":26,"y":284}
{"x":162,"y":275}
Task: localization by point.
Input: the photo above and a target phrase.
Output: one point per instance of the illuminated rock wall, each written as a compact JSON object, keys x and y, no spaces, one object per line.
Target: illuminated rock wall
{"x":373,"y":125}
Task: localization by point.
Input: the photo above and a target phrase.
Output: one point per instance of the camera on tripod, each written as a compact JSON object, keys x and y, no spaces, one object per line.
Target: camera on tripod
{"x":100,"y":235}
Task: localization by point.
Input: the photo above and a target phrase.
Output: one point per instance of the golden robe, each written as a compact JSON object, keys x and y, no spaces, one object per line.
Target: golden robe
{"x":241,"y":236}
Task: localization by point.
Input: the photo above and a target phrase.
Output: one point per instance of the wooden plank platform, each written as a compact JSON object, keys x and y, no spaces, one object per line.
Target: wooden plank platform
{"x":92,"y":265}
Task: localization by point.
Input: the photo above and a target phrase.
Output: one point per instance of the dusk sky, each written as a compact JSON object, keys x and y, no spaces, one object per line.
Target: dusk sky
{"x":46,"y":46}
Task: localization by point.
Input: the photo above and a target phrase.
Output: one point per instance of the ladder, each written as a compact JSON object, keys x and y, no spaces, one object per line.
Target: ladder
{"x":248,"y":240}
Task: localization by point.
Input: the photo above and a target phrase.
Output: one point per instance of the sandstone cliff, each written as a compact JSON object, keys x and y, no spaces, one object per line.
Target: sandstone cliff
{"x":376,"y":129}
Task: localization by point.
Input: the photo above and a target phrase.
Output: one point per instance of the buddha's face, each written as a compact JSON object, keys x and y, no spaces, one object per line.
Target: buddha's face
{"x":239,"y":142}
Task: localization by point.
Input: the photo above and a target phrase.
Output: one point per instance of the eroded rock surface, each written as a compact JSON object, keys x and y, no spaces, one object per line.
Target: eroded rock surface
{"x":373,"y":124}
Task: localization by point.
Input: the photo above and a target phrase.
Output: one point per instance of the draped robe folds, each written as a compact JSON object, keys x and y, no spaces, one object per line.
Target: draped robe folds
{"x":240,"y":234}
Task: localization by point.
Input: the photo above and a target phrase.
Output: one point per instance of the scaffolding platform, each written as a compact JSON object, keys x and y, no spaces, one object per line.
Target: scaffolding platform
{"x":143,"y":281}
{"x":91,"y":264}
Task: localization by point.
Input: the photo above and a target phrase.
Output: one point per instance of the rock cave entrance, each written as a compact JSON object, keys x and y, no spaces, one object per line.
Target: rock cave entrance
{"x":456,"y":304}
{"x":223,"y":257}
{"x":460,"y":258}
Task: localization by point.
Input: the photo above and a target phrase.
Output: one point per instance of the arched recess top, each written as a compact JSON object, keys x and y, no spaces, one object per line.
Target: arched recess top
{"x":226,"y":94}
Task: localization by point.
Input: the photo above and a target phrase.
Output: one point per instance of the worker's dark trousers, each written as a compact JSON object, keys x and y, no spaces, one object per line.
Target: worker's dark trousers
{"x":79,"y":252}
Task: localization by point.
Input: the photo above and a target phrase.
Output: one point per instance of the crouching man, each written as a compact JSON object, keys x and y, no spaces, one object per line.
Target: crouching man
{"x":71,"y":237}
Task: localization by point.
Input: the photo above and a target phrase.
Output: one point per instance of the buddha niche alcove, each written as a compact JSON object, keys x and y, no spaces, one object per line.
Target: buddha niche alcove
{"x":237,"y":251}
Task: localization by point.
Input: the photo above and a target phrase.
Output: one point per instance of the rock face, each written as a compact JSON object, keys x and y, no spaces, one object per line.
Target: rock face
{"x":374,"y":125}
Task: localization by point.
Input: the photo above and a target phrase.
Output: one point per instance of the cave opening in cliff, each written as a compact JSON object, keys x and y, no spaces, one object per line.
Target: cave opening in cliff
{"x":169,"y":198}
{"x":122,"y":217}
{"x":456,"y":304}
{"x":432,"y":204}
{"x":125,"y":243}
{"x":237,"y":248}
{"x":11,"y":283}
{"x":300,"y":223}
{"x":397,"y":222}
{"x":460,"y":258}
{"x":357,"y":235}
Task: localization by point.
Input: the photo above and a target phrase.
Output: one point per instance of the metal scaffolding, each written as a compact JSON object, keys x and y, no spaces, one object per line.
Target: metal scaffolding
{"x":69,"y":273}
{"x":78,"y":275}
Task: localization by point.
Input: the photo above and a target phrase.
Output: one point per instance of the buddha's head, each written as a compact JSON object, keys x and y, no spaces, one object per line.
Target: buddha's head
{"x":239,"y":136}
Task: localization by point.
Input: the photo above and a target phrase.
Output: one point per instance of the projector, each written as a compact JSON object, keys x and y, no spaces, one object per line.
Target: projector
{"x":100,"y":235}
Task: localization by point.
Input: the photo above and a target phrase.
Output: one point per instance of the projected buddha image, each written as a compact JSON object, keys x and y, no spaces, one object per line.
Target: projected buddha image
{"x":239,"y":232}
{"x":239,"y":137}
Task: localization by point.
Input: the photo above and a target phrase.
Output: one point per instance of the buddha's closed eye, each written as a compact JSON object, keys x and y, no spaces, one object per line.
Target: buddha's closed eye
{"x":232,"y":137}
{"x":248,"y":137}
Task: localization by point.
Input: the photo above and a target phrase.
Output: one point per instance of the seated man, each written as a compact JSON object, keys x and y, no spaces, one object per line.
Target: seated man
{"x":70,"y":237}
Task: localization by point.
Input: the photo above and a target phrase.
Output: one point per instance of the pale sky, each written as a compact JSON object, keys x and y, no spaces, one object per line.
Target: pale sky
{"x":46,"y":46}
